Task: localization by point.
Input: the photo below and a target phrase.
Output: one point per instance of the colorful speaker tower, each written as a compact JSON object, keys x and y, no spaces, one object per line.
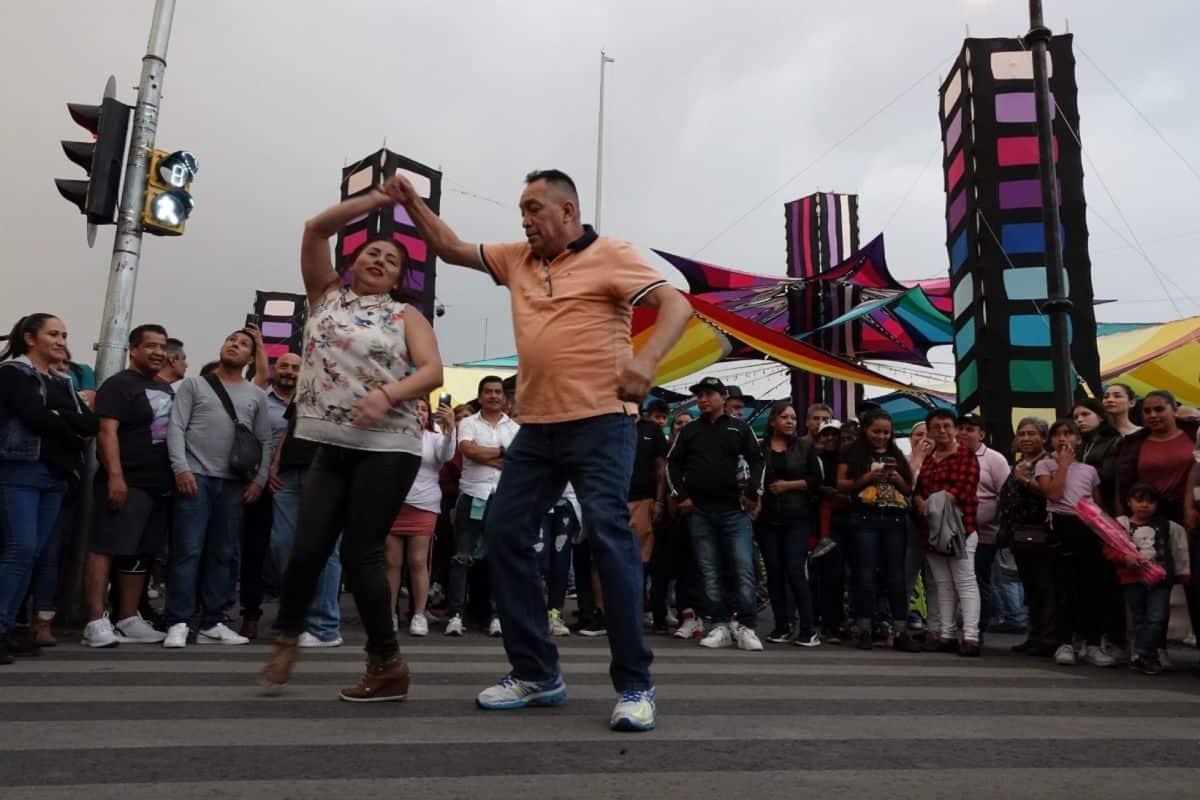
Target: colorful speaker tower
{"x":995,"y":237}
{"x":371,"y":171}
{"x":822,"y":232}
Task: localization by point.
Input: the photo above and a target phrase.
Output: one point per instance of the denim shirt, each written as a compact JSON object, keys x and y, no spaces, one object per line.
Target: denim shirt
{"x":17,"y":442}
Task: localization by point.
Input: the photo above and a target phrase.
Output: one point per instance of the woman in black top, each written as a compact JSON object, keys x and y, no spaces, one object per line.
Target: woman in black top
{"x":876,"y":474}
{"x":43,"y":430}
{"x":790,"y":480}
{"x":1022,"y":515}
{"x":1099,"y":445}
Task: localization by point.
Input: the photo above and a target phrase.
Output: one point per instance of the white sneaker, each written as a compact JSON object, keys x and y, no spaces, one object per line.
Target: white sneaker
{"x":692,"y":628}
{"x":1065,"y":655}
{"x":1098,"y":658}
{"x":306,"y":639}
{"x":557,"y":626}
{"x":647,"y":620}
{"x":746,"y":638}
{"x":136,"y":630}
{"x":494,"y":630}
{"x":719,"y":636}
{"x":395,"y":624}
{"x":1116,"y":653}
{"x":177,"y":635}
{"x":220,"y":634}
{"x":812,"y":641}
{"x":672,"y":620}
{"x":419,"y":625}
{"x":455,"y":626}
{"x":100,"y":633}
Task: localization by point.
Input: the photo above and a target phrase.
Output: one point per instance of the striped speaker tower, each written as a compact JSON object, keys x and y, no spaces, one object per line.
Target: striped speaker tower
{"x":371,"y":171}
{"x":994,"y":231}
{"x":822,"y":232}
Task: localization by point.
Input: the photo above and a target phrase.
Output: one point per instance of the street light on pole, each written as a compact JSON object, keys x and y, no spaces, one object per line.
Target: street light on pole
{"x":604,"y":60}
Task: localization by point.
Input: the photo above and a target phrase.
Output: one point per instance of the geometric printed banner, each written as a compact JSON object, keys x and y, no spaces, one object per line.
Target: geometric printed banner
{"x":995,"y":239}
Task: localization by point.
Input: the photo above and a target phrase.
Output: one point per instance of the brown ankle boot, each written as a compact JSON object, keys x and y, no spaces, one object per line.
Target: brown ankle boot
{"x":385,"y":679}
{"x":250,"y":618}
{"x":278,"y":671}
{"x":42,"y":634}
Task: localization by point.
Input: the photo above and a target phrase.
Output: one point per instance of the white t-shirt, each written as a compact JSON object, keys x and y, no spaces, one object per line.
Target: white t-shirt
{"x":480,"y":480}
{"x":426,"y":492}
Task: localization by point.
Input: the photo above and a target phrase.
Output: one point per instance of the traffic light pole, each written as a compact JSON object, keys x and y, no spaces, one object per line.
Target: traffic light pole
{"x":127,"y":245}
{"x":122,"y":280}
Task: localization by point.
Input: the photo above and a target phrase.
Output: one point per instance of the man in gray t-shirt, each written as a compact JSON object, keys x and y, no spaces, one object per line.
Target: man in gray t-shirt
{"x":209,"y":495}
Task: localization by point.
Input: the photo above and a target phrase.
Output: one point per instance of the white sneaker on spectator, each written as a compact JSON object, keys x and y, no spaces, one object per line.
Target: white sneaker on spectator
{"x":136,"y":630}
{"x":220,"y":634}
{"x":1098,"y":658}
{"x":692,"y":628}
{"x":177,"y":635}
{"x":455,"y":627}
{"x":718,"y":637}
{"x":419,"y":625}
{"x":556,"y":624}
{"x":306,"y":639}
{"x":494,"y":629}
{"x":672,"y":620}
{"x":100,"y":633}
{"x":1065,"y":655}
{"x":746,"y":638}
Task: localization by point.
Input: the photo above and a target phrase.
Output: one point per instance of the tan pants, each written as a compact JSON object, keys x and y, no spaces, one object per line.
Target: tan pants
{"x":641,"y":520}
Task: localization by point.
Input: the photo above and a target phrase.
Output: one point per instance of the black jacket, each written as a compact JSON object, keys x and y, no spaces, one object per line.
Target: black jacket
{"x":801,"y":464}
{"x":702,"y":464}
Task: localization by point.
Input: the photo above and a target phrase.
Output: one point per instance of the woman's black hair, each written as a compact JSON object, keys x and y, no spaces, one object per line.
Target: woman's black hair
{"x":1163,"y":394}
{"x":1069,"y":424}
{"x":1106,"y":430}
{"x":26,"y":326}
{"x":859,"y":455}
{"x":401,"y":292}
{"x":429,"y":417}
{"x":776,"y":409}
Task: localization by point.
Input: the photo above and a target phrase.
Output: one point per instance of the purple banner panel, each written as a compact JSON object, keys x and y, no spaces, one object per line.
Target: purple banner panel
{"x":1023,"y":194}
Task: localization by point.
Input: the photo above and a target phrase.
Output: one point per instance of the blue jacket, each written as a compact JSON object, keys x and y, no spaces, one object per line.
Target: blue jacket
{"x":17,"y":441}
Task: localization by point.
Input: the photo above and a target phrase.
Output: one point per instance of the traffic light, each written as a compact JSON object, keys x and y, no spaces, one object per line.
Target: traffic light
{"x":167,"y":203}
{"x":102,"y":159}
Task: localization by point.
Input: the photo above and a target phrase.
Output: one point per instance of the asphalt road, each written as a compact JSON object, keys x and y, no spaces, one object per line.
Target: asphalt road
{"x":143,"y":722}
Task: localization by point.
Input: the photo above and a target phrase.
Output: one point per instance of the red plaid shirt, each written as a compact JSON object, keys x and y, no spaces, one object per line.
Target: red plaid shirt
{"x":957,"y":474}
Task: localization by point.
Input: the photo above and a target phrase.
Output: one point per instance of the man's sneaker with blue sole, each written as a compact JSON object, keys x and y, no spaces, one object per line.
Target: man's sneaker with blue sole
{"x":513,"y":692}
{"x":635,"y":711}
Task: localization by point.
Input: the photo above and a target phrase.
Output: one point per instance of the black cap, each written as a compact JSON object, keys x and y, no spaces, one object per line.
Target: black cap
{"x":656,"y":406}
{"x":734,"y":393}
{"x":709,"y":384}
{"x":970,"y":419}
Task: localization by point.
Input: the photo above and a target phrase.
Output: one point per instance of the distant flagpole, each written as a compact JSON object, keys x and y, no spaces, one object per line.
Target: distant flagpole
{"x":604,"y":59}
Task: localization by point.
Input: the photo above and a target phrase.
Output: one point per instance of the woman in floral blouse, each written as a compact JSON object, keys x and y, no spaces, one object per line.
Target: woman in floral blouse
{"x":368,"y":355}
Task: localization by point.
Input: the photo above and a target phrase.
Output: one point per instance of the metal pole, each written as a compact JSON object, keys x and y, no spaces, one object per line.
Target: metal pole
{"x":604,"y":59}
{"x":122,"y":278}
{"x":127,"y":245}
{"x":1058,"y":304}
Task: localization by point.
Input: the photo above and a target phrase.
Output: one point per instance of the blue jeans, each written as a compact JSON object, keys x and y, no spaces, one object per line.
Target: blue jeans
{"x":596,"y":456}
{"x":784,"y":550}
{"x":724,"y":544}
{"x":1150,"y":606}
{"x":880,"y":544}
{"x":205,"y":539}
{"x":324,"y":618}
{"x":31,"y":496}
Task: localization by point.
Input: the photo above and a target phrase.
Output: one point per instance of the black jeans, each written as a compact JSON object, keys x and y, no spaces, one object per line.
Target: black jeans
{"x":257,"y":520}
{"x":355,"y":494}
{"x":674,"y":560}
{"x":1037,"y":572}
{"x":1084,"y":579}
{"x":828,"y":577}
{"x":985,"y":556}
{"x":784,"y":549}
{"x":880,"y":544}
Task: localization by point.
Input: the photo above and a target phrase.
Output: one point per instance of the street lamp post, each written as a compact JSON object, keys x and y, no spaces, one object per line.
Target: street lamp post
{"x":604,"y":60}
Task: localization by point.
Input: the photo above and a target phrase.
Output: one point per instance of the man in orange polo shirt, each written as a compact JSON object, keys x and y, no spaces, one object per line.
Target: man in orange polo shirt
{"x":573,"y":294}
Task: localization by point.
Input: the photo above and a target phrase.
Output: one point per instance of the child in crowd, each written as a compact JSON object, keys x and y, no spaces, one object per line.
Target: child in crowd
{"x":1159,"y":541}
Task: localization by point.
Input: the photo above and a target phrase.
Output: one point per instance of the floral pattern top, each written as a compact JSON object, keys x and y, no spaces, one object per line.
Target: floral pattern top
{"x":353,"y":345}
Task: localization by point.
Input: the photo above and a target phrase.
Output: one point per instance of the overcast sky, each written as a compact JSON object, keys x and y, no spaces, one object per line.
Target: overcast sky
{"x":710,"y":107}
